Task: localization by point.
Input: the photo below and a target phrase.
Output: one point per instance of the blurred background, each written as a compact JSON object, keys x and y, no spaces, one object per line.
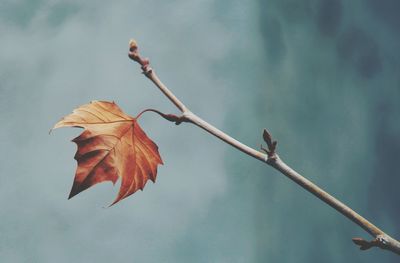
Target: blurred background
{"x":321,"y":75}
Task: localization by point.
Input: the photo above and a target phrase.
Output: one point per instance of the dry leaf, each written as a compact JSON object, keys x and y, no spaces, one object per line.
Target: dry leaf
{"x":112,"y":146}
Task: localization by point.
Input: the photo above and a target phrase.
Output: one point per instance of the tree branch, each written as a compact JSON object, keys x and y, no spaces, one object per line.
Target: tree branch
{"x":381,"y":239}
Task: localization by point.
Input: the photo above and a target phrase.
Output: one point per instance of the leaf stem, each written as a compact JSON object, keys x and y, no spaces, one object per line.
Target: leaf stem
{"x":381,"y":239}
{"x":170,"y":117}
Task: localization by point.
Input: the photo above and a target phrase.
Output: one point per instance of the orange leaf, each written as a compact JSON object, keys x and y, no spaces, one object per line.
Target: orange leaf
{"x":112,"y":145}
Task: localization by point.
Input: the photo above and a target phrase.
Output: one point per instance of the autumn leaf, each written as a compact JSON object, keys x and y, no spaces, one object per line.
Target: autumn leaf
{"x":112,"y":146}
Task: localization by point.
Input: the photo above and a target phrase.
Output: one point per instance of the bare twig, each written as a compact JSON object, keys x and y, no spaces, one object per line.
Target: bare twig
{"x":381,"y":239}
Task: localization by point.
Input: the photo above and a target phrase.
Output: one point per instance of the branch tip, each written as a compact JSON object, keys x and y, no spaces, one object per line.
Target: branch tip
{"x":271,"y":144}
{"x":135,"y":56}
{"x":132,"y":45}
{"x":379,"y":241}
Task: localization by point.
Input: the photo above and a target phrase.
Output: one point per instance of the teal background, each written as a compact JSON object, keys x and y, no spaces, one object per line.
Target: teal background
{"x":321,"y":75}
